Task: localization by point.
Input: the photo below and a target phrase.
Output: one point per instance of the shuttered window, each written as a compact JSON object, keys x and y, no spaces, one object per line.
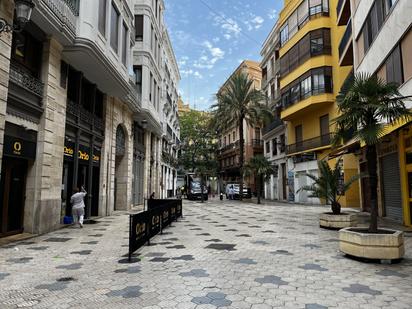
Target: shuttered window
{"x":138,"y":21}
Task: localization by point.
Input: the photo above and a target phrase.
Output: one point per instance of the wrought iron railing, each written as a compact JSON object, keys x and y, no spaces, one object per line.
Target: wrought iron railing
{"x":78,"y":111}
{"x":345,"y":39}
{"x":25,"y":80}
{"x":65,"y":10}
{"x":257,"y":142}
{"x":271,"y":126}
{"x":308,"y":144}
{"x":230,"y":147}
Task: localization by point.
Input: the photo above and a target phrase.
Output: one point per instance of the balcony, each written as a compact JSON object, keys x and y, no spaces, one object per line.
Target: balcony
{"x":26,"y":81}
{"x":343,"y":12}
{"x":346,"y":47}
{"x":60,"y":14}
{"x":76,"y":113}
{"x":273,"y":125}
{"x":310,"y":144}
{"x":257,"y":143}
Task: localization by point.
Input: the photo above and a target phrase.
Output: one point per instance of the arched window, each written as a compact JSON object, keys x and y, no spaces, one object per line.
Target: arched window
{"x":120,"y":141}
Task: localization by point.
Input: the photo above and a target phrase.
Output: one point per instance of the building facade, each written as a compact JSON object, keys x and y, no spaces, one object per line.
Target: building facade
{"x":70,"y":114}
{"x":378,"y":40}
{"x":310,"y":79}
{"x":274,"y":134}
{"x":229,"y":151}
{"x":158,"y":78}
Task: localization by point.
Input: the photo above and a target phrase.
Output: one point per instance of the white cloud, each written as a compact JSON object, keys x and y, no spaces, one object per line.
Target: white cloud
{"x":229,"y":26}
{"x":198,"y":75}
{"x":207,"y":61}
{"x":190,"y":72}
{"x":273,"y":14}
{"x":257,"y":21}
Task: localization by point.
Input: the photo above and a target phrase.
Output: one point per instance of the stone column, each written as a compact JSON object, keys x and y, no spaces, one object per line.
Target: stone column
{"x":6,"y":12}
{"x":45,"y":176}
{"x":146,"y":174}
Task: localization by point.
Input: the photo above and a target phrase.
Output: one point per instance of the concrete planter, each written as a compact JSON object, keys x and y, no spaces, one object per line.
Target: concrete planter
{"x":355,"y":242}
{"x":331,"y":221}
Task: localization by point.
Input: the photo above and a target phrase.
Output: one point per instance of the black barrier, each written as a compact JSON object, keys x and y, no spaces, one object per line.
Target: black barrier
{"x":154,"y":203}
{"x":147,"y":224}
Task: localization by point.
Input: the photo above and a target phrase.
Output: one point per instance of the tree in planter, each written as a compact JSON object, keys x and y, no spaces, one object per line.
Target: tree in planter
{"x":327,"y":185}
{"x":261,"y":168}
{"x":240,"y":102}
{"x":366,"y":103}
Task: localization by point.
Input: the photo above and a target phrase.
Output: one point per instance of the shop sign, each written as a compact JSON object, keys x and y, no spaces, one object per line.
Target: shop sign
{"x":83,"y":152}
{"x":17,"y":147}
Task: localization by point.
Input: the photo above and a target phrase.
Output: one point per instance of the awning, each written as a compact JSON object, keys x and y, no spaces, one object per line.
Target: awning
{"x":349,"y":146}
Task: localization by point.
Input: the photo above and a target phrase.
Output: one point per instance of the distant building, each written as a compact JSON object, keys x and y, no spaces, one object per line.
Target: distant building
{"x":229,"y":151}
{"x":274,"y":134}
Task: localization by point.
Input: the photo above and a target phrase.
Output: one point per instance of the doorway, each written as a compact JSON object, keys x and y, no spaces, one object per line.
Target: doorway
{"x":12,"y":196}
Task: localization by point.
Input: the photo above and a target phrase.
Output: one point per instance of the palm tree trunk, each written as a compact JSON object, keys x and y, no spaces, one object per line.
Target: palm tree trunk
{"x":258,"y":188}
{"x":373,"y":185}
{"x":241,"y":157}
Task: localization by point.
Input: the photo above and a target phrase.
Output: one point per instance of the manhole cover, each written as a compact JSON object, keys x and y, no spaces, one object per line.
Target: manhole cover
{"x":66,"y":279}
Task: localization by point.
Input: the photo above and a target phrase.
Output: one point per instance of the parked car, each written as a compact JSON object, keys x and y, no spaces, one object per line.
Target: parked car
{"x":247,"y":193}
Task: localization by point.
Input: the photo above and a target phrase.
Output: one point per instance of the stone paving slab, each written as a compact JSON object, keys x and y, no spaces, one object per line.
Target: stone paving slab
{"x":246,"y":256}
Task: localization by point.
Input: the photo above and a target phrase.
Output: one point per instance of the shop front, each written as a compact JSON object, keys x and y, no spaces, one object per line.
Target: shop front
{"x":18,"y":153}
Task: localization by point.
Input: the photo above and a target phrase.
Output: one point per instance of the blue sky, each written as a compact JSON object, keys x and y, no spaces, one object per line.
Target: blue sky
{"x":211,"y":37}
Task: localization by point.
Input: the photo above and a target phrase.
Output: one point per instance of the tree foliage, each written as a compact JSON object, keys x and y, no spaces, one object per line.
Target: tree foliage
{"x":366,"y":104}
{"x":240,"y":101}
{"x":327,"y":185}
{"x":198,"y":143}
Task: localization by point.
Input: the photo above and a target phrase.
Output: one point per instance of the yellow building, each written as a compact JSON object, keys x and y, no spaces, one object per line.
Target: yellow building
{"x":310,"y":79}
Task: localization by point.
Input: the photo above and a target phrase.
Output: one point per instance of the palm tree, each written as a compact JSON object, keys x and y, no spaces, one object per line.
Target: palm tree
{"x":366,"y":103}
{"x":260,"y":167}
{"x":327,"y":186}
{"x":238,"y":102}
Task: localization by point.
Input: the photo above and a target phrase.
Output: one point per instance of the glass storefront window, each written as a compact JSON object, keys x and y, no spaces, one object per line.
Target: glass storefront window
{"x":409,"y":158}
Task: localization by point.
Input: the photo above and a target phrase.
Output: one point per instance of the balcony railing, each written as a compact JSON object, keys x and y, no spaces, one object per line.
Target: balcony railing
{"x":257,"y":142}
{"x":230,"y":147}
{"x":345,"y":39}
{"x":79,"y":112}
{"x":23,"y":79}
{"x":312,"y":143}
{"x":273,"y":125}
{"x":65,"y":10}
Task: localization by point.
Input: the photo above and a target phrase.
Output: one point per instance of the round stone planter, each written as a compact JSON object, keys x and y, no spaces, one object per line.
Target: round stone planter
{"x":383,"y":246}
{"x":331,"y":221}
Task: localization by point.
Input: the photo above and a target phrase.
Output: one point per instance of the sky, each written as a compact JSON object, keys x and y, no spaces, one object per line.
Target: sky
{"x":212,"y":37}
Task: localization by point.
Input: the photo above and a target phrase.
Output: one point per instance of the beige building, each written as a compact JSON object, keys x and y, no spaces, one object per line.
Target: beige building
{"x":73,"y":113}
{"x":228,"y":155}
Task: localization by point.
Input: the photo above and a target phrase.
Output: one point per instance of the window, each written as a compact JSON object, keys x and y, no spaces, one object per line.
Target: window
{"x":306,"y":87}
{"x":125,"y":44}
{"x":315,"y":43}
{"x":234,"y":135}
{"x":151,"y":38}
{"x":154,"y":92}
{"x":284,"y":34}
{"x":298,"y":134}
{"x":138,"y":72}
{"x":151,"y":87}
{"x":114,"y":28}
{"x":102,"y":17}
{"x":299,"y":17}
{"x":139,"y":25}
{"x":224,"y":141}
{"x":282,"y":143}
{"x":27,"y":52}
{"x":257,"y":133}
{"x":229,"y":139}
{"x":394,"y":73}
{"x":274,"y":146}
{"x":313,"y":82}
{"x":267,"y":146}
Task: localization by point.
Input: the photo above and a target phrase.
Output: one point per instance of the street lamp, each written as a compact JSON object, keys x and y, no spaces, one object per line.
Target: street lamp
{"x":23,"y":10}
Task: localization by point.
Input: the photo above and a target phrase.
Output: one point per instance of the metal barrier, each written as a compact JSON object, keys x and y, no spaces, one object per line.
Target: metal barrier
{"x":147,"y":224}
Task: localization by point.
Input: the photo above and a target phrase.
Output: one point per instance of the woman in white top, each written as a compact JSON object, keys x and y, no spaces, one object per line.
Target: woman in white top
{"x":77,"y":201}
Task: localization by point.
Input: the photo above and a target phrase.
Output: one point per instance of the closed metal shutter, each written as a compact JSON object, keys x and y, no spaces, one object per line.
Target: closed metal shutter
{"x":392,"y":197}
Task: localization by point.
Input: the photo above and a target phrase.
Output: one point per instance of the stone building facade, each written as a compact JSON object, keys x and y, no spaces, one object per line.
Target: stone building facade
{"x":71,"y":114}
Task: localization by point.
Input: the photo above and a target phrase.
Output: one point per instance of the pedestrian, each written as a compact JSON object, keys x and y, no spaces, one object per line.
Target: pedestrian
{"x":152,"y":196}
{"x":179,"y":194}
{"x":77,"y":201}
{"x":231,"y":192}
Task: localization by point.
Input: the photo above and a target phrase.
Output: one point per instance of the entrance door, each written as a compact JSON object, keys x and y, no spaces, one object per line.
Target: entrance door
{"x":324,"y":129}
{"x":95,"y":191}
{"x":299,"y":137}
{"x":284,"y":180}
{"x":12,"y":195}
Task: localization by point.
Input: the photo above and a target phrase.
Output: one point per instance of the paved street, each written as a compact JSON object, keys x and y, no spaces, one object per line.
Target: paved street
{"x":222,"y":254}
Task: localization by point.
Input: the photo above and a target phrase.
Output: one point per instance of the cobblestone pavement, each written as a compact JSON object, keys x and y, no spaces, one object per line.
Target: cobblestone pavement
{"x":220,"y":255}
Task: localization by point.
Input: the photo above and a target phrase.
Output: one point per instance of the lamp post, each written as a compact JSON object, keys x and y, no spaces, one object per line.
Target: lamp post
{"x":23,"y":9}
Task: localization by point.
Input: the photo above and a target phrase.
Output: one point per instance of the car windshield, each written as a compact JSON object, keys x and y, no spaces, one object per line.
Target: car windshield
{"x":196,"y":185}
